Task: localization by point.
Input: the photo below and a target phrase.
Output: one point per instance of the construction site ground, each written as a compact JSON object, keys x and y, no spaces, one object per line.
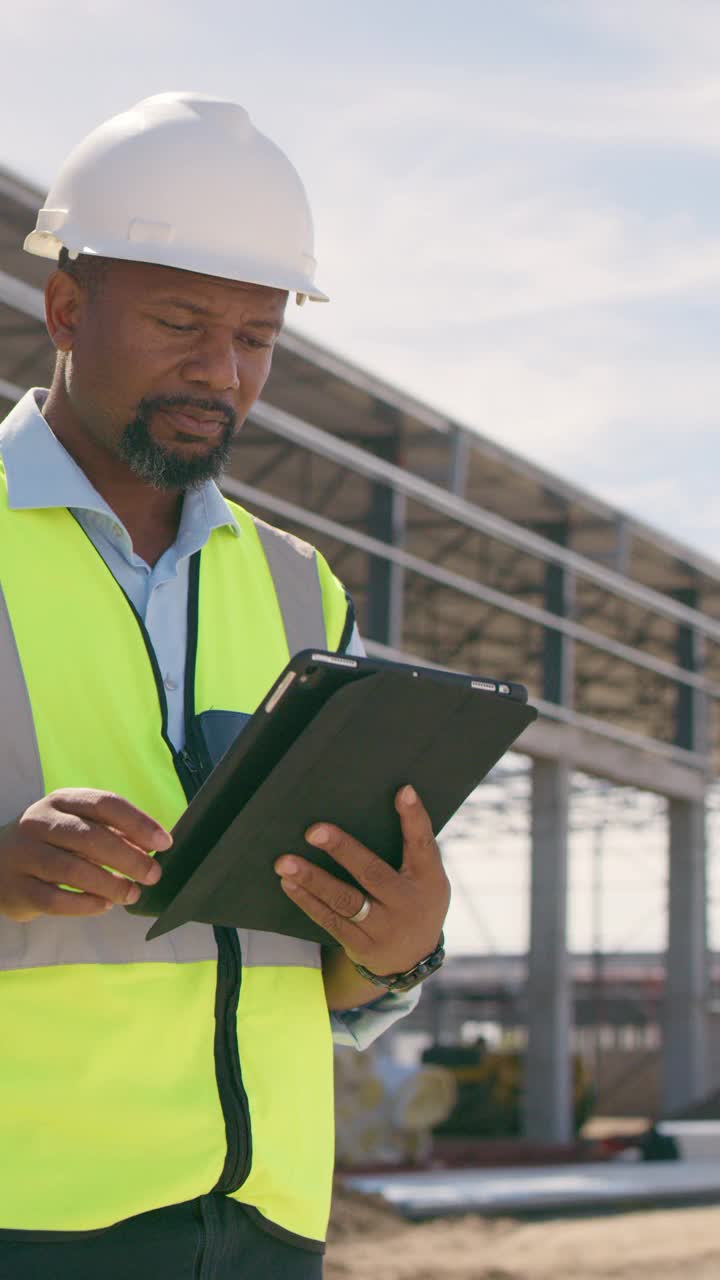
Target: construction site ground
{"x":369,"y":1241}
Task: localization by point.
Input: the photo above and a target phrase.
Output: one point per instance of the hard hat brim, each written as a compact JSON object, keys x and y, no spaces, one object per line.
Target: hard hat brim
{"x":44,"y":244}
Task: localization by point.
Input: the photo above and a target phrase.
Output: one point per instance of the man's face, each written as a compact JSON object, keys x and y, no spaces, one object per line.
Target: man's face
{"x":165,"y":365}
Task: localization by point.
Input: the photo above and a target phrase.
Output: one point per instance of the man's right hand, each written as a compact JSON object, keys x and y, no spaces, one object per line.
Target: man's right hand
{"x":69,"y":838}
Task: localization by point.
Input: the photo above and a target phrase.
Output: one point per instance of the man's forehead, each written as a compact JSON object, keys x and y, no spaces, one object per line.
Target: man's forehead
{"x":194,"y":287}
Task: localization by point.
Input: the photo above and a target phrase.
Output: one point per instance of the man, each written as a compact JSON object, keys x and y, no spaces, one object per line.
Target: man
{"x":166,"y":1106}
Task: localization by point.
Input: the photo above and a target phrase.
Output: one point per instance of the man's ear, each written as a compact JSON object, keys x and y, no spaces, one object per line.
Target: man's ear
{"x":63,"y":306}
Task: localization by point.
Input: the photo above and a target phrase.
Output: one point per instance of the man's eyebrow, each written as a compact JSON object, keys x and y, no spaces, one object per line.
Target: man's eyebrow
{"x":196,"y":309}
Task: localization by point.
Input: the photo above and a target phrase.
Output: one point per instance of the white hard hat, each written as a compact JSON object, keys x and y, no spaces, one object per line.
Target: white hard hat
{"x":184,"y":180}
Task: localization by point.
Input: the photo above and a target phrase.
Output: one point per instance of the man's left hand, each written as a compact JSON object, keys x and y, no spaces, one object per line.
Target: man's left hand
{"x":407,"y":907}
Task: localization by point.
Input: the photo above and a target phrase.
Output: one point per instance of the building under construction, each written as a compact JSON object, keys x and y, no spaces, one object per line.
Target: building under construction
{"x":460,"y":553}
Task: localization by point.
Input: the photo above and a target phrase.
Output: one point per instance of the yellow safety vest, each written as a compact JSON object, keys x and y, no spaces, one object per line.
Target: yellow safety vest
{"x":132,"y":1074}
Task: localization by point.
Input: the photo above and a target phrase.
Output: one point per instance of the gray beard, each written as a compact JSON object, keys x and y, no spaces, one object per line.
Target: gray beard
{"x":163,"y":468}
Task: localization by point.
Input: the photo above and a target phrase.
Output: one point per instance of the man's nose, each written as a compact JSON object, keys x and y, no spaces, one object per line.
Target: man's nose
{"x":214,"y":363}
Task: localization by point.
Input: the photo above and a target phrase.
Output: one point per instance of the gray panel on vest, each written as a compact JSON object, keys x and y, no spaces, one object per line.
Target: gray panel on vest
{"x":261,"y":949}
{"x":21,"y":778}
{"x":113,"y":938}
{"x":293,"y":566}
{"x":119,"y":938}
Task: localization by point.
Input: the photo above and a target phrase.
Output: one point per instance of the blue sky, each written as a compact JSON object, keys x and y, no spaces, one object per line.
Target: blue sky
{"x":517,"y":204}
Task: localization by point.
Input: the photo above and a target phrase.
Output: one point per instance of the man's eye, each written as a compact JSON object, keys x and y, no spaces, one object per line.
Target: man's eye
{"x":255,"y":344}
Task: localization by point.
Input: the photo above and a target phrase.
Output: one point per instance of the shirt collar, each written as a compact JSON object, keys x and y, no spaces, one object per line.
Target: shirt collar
{"x":41,"y":473}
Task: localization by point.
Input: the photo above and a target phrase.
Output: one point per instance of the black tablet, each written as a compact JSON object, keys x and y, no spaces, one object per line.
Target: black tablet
{"x":333,"y":740}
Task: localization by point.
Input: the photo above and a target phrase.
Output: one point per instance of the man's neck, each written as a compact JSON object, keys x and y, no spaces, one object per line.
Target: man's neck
{"x":151,"y":516}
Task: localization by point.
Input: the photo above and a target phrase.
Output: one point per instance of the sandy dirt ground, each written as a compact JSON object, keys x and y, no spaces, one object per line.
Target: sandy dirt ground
{"x":370,"y":1242}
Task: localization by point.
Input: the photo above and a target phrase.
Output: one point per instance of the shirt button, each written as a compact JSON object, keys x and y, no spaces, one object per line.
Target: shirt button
{"x":170,"y":684}
{"x":117,"y":531}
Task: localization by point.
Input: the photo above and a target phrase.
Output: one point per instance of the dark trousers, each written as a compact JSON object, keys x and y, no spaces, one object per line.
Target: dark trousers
{"x":207,"y":1239}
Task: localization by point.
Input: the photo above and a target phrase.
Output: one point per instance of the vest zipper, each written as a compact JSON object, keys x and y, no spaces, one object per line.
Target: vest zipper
{"x":190,"y":766}
{"x":227,"y":1064}
{"x":193,"y":766}
{"x":233,"y":1099}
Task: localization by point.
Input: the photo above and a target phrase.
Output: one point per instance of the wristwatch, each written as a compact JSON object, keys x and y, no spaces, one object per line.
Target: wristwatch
{"x":412,"y":977}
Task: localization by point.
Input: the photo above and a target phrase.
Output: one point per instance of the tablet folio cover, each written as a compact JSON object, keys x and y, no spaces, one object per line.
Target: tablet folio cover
{"x":369,"y":739}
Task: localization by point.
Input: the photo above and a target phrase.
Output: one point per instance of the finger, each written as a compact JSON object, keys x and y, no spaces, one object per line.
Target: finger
{"x":109,"y":810}
{"x":47,"y":899}
{"x":380,"y":880}
{"x":96,"y":843}
{"x":58,"y":867}
{"x":350,"y":936}
{"x":342,"y":898}
{"x":421,"y":851}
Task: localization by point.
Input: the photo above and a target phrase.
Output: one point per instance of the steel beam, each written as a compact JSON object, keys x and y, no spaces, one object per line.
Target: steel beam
{"x":397,"y":586}
{"x":37,"y":352}
{"x":25,"y":329}
{"x":385,"y":523}
{"x":20,"y":191}
{"x":10,"y":391}
{"x":458,"y":510}
{"x":343,"y":369}
{"x":627,"y":759}
{"x":380,"y":526}
{"x":690,"y":706}
{"x":29,"y":299}
{"x":445,"y":577}
{"x":558,"y":598}
{"x":623,"y":544}
{"x":459,"y":459}
{"x":595,"y":747}
{"x":23,"y":297}
{"x":279,"y":454}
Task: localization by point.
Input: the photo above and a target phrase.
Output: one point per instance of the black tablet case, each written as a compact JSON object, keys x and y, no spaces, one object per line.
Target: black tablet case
{"x":369,"y":739}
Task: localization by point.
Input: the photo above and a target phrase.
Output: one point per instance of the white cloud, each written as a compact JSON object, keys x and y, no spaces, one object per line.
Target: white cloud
{"x":479,"y":103}
{"x":679,"y":35}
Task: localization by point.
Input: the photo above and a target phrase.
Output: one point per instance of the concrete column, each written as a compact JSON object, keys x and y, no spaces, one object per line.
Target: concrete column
{"x":547,"y":1091}
{"x":684,"y":1066}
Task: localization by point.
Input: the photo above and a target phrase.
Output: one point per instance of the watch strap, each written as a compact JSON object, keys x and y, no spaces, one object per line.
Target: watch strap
{"x":411,"y":977}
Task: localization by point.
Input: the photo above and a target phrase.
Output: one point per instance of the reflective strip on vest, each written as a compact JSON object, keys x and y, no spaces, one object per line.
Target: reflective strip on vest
{"x":91,"y":1011}
{"x":293,"y":565}
{"x":119,"y":938}
{"x":21,"y":779}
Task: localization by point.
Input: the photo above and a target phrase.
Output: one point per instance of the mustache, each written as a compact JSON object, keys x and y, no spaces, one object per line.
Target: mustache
{"x":155,"y":404}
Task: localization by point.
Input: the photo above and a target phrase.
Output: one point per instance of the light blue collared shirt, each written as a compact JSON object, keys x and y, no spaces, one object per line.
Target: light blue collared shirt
{"x":41,"y":473}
